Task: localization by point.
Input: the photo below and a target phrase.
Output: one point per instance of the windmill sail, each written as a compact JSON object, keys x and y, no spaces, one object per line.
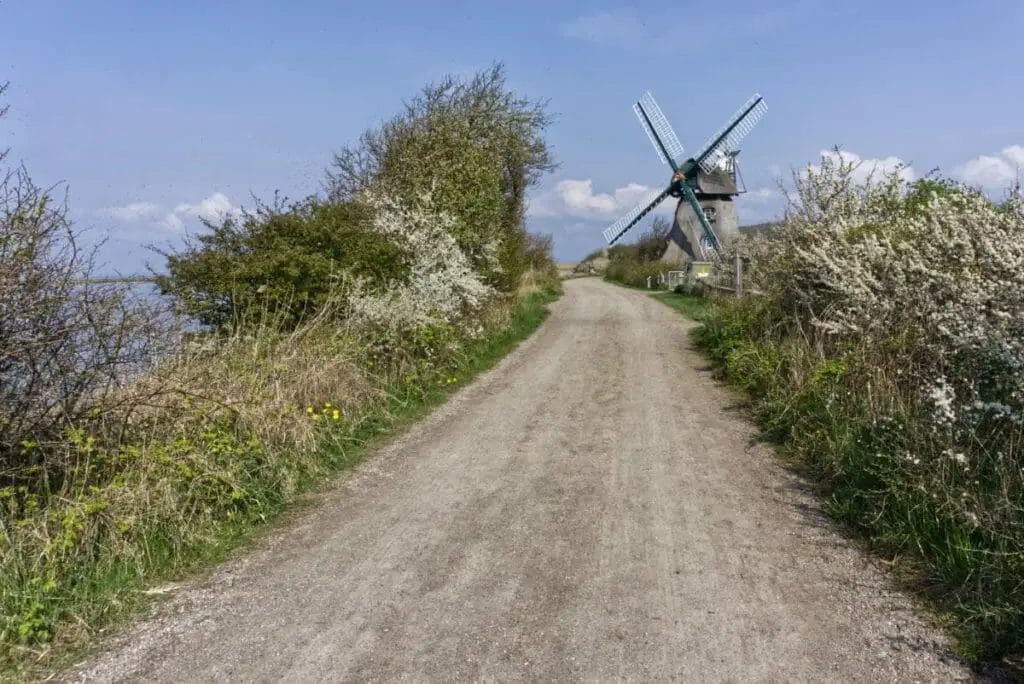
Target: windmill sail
{"x":707,"y":243}
{"x":659,"y":130}
{"x":727,"y":141}
{"x":613,"y":232}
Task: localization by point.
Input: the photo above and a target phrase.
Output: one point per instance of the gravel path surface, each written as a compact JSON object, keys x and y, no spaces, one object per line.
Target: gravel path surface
{"x":595,"y":507}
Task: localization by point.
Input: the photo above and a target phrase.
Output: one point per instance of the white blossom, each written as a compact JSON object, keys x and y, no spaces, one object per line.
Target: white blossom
{"x":441,"y":286}
{"x":941,"y":278}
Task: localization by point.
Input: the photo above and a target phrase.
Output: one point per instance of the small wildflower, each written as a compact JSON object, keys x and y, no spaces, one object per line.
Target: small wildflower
{"x":336,"y":414}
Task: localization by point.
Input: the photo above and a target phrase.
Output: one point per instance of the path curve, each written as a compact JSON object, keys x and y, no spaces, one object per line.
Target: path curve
{"x":595,"y":507}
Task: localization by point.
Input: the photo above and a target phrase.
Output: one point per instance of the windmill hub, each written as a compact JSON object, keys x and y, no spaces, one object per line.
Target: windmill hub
{"x":705,"y":183}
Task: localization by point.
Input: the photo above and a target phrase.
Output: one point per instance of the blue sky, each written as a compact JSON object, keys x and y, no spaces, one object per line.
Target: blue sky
{"x":156,"y":113}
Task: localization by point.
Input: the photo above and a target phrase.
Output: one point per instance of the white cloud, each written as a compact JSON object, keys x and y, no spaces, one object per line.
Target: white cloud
{"x":173,"y":223}
{"x":135,"y":211}
{"x":577,"y":198}
{"x":762,"y":195}
{"x":996,"y":172}
{"x":212,"y":208}
{"x":866,"y":168}
{"x":1015,"y":153}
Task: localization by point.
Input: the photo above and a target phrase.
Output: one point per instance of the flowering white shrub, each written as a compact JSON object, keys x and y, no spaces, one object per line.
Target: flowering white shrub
{"x":932,"y":268}
{"x":441,"y":286}
{"x":887,"y":355}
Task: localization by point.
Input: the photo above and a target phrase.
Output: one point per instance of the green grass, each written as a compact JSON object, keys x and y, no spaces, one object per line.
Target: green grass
{"x":691,"y":306}
{"x":878,"y":468}
{"x":408,"y":404}
{"x":109,"y":589}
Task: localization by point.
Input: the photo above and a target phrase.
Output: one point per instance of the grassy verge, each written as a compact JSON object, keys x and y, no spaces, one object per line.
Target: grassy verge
{"x":628,"y":286}
{"x":826,"y":430}
{"x":691,"y":306}
{"x":407,"y":403}
{"x":868,"y":463}
{"x":101,"y":553}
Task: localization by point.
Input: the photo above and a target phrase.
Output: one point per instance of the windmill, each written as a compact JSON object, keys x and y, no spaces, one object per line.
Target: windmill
{"x":704,"y":183}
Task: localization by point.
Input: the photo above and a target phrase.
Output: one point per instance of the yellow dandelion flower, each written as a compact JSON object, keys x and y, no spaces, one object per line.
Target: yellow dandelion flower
{"x":309,"y":409}
{"x":336,"y":415}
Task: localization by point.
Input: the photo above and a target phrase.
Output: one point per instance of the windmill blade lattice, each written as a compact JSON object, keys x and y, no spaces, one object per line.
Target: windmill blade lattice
{"x":613,"y":232}
{"x":727,"y":140}
{"x":659,"y":130}
{"x":710,"y":202}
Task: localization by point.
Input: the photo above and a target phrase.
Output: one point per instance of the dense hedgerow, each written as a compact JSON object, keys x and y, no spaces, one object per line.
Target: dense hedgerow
{"x":468,"y":148}
{"x":284,"y":259}
{"x":887,"y":353}
{"x":134,"y":444}
{"x":632,"y":263}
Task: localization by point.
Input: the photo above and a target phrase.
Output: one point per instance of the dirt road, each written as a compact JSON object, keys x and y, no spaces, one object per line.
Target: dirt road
{"x":593,"y":508}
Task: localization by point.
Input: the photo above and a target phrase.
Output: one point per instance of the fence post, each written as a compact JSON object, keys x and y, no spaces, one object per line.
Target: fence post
{"x":738,"y":263}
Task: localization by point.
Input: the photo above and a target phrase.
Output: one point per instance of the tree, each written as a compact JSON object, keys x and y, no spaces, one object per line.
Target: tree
{"x":651,"y":245}
{"x":475,"y":147}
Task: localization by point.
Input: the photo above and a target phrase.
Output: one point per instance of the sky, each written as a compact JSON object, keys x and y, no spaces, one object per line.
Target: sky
{"x":154,"y":114}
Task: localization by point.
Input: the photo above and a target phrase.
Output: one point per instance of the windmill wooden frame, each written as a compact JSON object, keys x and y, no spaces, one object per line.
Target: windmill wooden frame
{"x":713,"y":168}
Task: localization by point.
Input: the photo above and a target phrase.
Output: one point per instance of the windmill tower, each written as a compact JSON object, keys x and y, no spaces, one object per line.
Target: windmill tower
{"x":705,"y":183}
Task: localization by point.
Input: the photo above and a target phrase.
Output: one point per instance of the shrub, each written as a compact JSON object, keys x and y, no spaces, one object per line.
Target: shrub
{"x":67,"y":345}
{"x":472,"y":145}
{"x":538,"y":254}
{"x":634,"y":273}
{"x":441,"y":287}
{"x":632,"y":263}
{"x":286,"y":259}
{"x":888,"y":353}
